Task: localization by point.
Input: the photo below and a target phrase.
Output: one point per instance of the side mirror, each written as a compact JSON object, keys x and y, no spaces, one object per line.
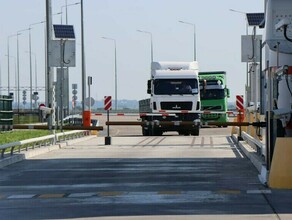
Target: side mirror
{"x":228,"y":93}
{"x":149,"y":86}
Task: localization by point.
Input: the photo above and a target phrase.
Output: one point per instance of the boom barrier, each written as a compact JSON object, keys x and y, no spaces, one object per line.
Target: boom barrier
{"x":184,"y":123}
{"x":66,"y":127}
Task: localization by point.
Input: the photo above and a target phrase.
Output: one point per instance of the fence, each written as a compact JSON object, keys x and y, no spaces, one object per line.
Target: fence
{"x":18,"y":146}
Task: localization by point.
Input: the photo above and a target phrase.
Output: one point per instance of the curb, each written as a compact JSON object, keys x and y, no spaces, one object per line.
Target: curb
{"x":35,"y":152}
{"x":250,"y":153}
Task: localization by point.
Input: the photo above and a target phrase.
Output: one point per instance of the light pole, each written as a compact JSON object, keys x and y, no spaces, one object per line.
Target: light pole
{"x":83,"y":73}
{"x":66,"y":6}
{"x":195,"y":45}
{"x":8,"y":64}
{"x":244,"y":13}
{"x":30,"y":61}
{"x":151,"y":42}
{"x":247,"y":85}
{"x":15,"y":72}
{"x":18,"y":81}
{"x":116,"y":80}
{"x":35,"y":68}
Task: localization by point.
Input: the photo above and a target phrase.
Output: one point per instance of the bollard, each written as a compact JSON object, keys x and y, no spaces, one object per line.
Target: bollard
{"x":87,"y":118}
{"x":240,"y":118}
{"x":107,"y":140}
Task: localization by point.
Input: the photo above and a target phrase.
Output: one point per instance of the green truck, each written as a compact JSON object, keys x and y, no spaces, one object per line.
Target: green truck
{"x":214,"y":94}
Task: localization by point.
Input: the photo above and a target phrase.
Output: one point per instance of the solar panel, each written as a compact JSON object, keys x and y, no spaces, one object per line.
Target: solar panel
{"x":255,"y":19}
{"x":64,"y":31}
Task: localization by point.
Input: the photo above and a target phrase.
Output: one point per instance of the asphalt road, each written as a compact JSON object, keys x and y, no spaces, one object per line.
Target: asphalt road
{"x":166,"y":177}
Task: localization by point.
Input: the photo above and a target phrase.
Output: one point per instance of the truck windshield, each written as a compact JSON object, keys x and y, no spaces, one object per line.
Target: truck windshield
{"x":175,"y":86}
{"x":212,"y":94}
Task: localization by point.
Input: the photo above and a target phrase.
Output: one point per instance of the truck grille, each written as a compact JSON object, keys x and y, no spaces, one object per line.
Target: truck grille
{"x":176,"y":106}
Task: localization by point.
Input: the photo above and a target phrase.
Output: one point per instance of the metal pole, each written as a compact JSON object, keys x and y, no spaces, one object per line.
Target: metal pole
{"x":8,"y":67}
{"x":195,"y":46}
{"x":8,"y":60}
{"x":66,"y":12}
{"x":116,"y":79}
{"x":151,"y":43}
{"x":35,"y":73}
{"x":62,"y":82}
{"x":30,"y":69}
{"x":18,"y":77}
{"x":83,"y":61}
{"x":49,"y":70}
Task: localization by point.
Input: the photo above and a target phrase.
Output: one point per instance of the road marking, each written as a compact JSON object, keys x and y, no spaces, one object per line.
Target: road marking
{"x":229,"y":192}
{"x":25,"y":196}
{"x":202,"y":141}
{"x":51,"y":196}
{"x":110,"y":193}
{"x":211,"y":142}
{"x":193,"y":141}
{"x":259,"y":191}
{"x":188,"y":195}
{"x":169,"y":192}
{"x":155,"y":145}
{"x":80,"y":195}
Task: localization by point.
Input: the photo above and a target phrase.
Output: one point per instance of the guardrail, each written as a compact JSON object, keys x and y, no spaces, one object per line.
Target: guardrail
{"x":40,"y":141}
{"x":254,"y":143}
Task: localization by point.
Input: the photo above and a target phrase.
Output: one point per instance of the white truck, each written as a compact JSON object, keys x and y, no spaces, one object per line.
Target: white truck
{"x":174,"y":90}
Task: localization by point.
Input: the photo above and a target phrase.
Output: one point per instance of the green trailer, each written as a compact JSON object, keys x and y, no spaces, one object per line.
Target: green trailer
{"x":214,"y":94}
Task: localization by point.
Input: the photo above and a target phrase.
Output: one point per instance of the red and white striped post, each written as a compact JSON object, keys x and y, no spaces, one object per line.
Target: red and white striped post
{"x":239,"y":107}
{"x":107,"y":107}
{"x":240,"y":116}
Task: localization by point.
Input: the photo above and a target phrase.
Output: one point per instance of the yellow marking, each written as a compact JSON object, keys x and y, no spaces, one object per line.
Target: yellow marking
{"x":48,"y":196}
{"x":169,"y":192}
{"x":110,"y":193}
{"x":229,"y":192}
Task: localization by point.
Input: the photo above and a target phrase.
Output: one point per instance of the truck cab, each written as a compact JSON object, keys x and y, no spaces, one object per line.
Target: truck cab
{"x":214,"y":94}
{"x":174,"y":90}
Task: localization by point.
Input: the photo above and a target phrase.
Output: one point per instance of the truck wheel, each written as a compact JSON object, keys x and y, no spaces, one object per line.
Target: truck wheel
{"x":145,"y":132}
{"x":195,"y":131}
{"x":157,"y":132}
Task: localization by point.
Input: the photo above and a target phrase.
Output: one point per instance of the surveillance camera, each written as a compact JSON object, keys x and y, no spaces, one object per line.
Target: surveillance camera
{"x":281,"y":24}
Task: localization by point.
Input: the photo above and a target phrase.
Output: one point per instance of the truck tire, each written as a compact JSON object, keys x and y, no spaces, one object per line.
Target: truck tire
{"x":195,"y":131}
{"x":145,"y":132}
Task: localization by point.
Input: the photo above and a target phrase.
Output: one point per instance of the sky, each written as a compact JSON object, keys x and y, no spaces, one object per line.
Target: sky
{"x":218,"y":32}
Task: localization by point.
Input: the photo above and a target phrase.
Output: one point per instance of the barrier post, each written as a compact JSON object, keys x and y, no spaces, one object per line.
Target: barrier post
{"x":107,"y":107}
{"x":107,"y":140}
{"x":240,"y":118}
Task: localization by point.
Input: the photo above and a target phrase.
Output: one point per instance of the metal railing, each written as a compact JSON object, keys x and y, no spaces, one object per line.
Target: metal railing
{"x":18,"y":146}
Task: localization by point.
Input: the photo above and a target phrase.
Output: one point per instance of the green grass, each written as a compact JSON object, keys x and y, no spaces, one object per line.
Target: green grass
{"x":25,"y":119}
{"x":19,"y":135}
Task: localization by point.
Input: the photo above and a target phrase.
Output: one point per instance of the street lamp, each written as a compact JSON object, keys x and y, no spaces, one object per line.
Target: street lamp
{"x":195,"y":46}
{"x":35,"y":68}
{"x":15,"y":72}
{"x":151,"y":41}
{"x":116,"y":80}
{"x":66,"y":6}
{"x":247,"y":85}
{"x":8,"y":65}
{"x":18,"y":81}
{"x":30,"y":62}
{"x":241,"y":12}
